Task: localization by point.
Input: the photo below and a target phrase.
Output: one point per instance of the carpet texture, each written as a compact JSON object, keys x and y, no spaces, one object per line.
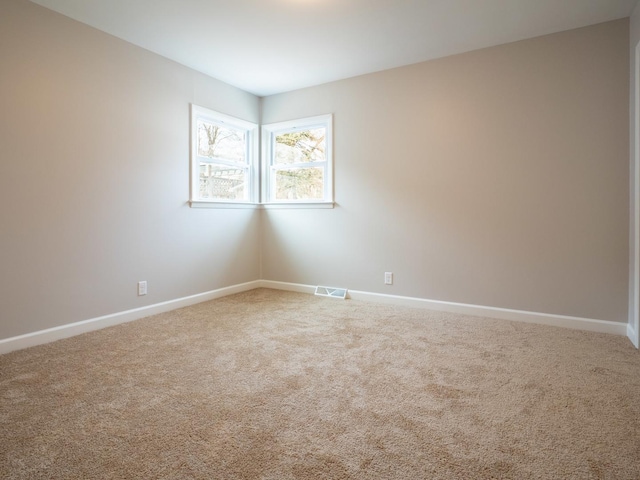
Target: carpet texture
{"x":279,"y":385}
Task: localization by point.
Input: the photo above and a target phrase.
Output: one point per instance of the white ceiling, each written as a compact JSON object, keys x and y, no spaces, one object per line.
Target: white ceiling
{"x":272,"y":46}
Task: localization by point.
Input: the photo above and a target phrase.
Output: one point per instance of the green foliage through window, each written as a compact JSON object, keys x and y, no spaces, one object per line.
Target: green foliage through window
{"x":304,"y":146}
{"x":299,"y":160}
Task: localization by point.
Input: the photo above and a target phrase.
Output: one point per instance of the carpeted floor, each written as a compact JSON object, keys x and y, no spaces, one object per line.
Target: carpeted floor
{"x":279,"y":385}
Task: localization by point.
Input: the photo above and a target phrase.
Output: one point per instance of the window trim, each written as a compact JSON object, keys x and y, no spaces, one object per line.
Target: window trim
{"x":268,"y":134}
{"x":251,"y":134}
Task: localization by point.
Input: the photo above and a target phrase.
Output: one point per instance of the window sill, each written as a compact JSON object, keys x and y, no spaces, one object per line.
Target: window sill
{"x":211,"y":204}
{"x":298,"y":205}
{"x":268,"y":206}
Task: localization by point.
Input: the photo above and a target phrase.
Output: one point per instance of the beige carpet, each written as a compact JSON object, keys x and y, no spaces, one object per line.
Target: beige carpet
{"x":279,"y":385}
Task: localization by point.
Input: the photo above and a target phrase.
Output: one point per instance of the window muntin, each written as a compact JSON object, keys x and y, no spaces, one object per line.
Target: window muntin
{"x":222,"y":159}
{"x":297,"y":160}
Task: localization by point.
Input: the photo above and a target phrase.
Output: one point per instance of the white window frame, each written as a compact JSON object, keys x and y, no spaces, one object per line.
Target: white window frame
{"x":251,"y":134}
{"x":269,"y":168}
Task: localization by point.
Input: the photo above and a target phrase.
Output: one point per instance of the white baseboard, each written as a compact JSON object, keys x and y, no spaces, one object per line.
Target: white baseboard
{"x":65,"y":331}
{"x":633,"y":336}
{"x":577,"y":323}
{"x":290,"y":287}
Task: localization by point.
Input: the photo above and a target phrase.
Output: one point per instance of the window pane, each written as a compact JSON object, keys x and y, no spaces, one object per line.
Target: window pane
{"x":300,"y":146}
{"x":299,"y":184}
{"x":219,"y":182}
{"x":217,"y":141}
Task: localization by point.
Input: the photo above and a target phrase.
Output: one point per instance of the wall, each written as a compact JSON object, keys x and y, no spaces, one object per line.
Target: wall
{"x":498,"y":177}
{"x":634,"y":149}
{"x":94,"y":149}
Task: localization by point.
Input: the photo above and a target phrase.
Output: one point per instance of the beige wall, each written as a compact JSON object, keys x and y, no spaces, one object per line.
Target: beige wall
{"x":94,"y":165}
{"x":498,"y":177}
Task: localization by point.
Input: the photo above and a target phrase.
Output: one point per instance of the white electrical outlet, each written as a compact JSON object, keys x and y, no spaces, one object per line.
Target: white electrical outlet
{"x":388,"y":278}
{"x":142,"y":288}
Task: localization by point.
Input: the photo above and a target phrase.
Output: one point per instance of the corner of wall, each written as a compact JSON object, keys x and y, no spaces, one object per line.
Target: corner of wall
{"x":633,"y":331}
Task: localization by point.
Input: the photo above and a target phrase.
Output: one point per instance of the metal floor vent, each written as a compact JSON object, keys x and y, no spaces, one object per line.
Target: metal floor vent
{"x":331,"y":292}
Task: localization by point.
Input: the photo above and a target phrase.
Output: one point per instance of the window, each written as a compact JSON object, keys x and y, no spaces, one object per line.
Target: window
{"x":297,"y":161}
{"x":296,"y":168}
{"x":222,"y":158}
